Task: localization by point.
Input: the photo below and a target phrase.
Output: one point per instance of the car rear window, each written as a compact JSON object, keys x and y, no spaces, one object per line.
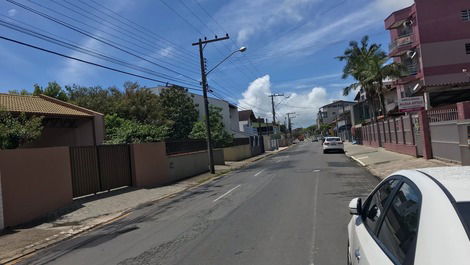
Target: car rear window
{"x":464,"y":211}
{"x":333,"y":139}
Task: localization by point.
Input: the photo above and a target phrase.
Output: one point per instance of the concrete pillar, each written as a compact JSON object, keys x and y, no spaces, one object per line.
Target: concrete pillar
{"x":425,"y":134}
{"x":463,"y":110}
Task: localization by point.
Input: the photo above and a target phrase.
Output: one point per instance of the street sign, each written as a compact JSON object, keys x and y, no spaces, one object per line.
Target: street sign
{"x":411,"y":104}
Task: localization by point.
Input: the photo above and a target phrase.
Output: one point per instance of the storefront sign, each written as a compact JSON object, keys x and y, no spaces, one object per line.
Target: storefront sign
{"x":411,"y":104}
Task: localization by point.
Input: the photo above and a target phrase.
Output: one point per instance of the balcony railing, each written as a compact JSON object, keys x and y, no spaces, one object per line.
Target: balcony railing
{"x":402,"y":41}
{"x":411,"y":69}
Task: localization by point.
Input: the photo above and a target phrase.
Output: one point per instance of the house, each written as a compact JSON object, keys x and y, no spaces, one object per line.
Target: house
{"x":247,"y":119}
{"x":431,"y":38}
{"x":229,"y":111}
{"x":64,"y":124}
{"x":328,"y":114}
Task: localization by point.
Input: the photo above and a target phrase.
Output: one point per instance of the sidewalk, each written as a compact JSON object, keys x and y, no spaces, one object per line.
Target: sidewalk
{"x":382,"y":163}
{"x":87,"y":213}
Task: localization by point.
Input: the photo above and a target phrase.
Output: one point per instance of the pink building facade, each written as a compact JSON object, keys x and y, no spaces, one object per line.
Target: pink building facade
{"x":432,"y":39}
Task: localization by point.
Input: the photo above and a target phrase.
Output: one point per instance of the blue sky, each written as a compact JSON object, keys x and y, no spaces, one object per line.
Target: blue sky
{"x":291,"y":46}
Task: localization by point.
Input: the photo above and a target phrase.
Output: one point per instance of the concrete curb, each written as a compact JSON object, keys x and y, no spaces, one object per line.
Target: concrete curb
{"x":358,"y":161}
{"x":55,"y":239}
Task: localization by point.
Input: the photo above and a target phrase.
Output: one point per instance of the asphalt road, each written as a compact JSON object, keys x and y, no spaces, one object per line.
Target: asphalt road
{"x":290,"y":208}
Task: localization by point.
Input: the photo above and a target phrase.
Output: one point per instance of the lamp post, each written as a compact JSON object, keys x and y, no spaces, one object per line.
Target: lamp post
{"x":202,"y":44}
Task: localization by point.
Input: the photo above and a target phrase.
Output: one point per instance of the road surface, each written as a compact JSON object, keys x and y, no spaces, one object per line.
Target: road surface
{"x":290,"y":208}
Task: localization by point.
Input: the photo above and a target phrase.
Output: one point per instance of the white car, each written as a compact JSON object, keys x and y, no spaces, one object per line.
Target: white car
{"x":333,"y":144}
{"x":413,"y":217}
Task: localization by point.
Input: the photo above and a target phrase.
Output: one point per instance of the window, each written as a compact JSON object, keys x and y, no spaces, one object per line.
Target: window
{"x":400,"y":226}
{"x":375,"y":205}
{"x":465,"y":14}
{"x":467,"y":48}
{"x":464,"y":210}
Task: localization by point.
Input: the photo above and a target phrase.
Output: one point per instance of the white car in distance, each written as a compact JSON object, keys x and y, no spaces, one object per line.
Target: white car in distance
{"x":413,"y":217}
{"x":333,"y":144}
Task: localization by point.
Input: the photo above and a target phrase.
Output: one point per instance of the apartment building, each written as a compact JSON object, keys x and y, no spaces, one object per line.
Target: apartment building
{"x":432,"y":39}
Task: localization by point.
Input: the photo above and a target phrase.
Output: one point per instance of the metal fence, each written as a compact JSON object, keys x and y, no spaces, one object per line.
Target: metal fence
{"x":447,"y":113}
{"x":99,"y":168}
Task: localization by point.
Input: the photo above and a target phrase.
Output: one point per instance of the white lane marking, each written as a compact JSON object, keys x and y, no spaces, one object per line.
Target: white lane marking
{"x":312,"y":254}
{"x":227,"y":193}
{"x":316,"y":170}
{"x":259,"y":172}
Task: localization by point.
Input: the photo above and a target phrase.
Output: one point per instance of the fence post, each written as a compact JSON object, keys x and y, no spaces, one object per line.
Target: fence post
{"x":403,"y":129}
{"x":412,"y":129}
{"x":395,"y":130}
{"x":463,"y":110}
{"x":425,"y":134}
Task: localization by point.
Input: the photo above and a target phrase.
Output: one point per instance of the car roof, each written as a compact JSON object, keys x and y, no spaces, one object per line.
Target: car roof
{"x":455,"y":179}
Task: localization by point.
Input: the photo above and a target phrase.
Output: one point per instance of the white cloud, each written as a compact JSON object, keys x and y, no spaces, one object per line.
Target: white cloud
{"x":249,"y":17}
{"x":12,"y":12}
{"x":166,"y":52}
{"x":305,"y":104}
{"x":316,"y":35}
{"x":303,"y":83}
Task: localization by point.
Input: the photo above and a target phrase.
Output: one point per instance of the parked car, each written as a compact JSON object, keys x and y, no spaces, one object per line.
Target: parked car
{"x":333,"y":144}
{"x":419,"y":217}
{"x":315,"y":139}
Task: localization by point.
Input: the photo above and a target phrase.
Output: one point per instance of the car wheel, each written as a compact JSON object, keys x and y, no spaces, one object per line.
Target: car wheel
{"x":324,"y":151}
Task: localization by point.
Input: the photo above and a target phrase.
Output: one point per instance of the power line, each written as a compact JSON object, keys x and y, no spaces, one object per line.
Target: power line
{"x":151,"y":42}
{"x":139,"y":27}
{"x":90,"y":52}
{"x":102,"y":40}
{"x":86,"y":62}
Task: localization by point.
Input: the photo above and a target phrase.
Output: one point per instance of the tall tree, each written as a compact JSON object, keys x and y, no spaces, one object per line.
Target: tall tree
{"x":53,"y":89}
{"x":18,"y":130}
{"x":367,"y":64}
{"x":219,"y":135}
{"x":178,"y":111}
{"x":23,"y":92}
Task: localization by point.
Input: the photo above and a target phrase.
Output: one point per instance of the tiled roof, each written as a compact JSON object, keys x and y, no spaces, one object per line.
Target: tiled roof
{"x":38,"y":105}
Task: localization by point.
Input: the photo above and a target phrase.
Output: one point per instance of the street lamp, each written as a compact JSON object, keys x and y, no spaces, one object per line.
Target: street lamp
{"x":201,"y":44}
{"x":242,"y":49}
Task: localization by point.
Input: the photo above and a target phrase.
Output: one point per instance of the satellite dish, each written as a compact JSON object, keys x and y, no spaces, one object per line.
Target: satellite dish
{"x":408,"y":23}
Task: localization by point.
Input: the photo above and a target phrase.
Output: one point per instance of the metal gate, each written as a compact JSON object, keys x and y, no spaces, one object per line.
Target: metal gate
{"x":99,"y":168}
{"x":417,"y":134}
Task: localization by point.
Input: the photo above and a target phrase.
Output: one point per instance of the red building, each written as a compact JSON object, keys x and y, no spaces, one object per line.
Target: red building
{"x":432,"y":39}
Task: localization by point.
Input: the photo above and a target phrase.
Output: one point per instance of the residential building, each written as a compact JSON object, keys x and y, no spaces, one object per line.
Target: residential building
{"x":246,"y":120}
{"x":431,"y":38}
{"x":329,"y":113}
{"x":64,"y":124}
{"x":229,"y":111}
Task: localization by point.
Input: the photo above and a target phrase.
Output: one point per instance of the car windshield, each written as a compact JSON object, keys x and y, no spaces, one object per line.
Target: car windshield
{"x":333,"y":139}
{"x":464,"y":211}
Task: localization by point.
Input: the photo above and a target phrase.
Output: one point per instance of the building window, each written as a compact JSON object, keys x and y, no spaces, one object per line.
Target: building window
{"x":465,"y":14}
{"x":467,"y":48}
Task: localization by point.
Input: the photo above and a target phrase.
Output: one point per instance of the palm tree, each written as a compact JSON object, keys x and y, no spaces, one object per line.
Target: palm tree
{"x":367,"y":64}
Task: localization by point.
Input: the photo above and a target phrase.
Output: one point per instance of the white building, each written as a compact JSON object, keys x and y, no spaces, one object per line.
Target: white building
{"x":229,"y":112}
{"x":247,"y":118}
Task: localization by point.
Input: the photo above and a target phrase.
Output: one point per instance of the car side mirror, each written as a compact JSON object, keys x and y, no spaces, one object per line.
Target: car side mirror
{"x":355,"y":206}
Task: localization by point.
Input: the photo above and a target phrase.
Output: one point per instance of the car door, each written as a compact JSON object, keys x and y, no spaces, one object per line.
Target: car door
{"x":390,"y":225}
{"x":364,"y":250}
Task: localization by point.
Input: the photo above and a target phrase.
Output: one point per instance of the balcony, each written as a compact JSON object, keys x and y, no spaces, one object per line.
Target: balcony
{"x":411,"y":69}
{"x":402,"y":44}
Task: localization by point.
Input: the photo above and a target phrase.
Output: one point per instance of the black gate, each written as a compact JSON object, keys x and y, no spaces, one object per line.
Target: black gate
{"x":99,"y":168}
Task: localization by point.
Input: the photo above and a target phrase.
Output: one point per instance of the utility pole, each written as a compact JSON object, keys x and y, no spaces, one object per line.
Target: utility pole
{"x":204,"y":85}
{"x":272,"y":96}
{"x":289,"y":120}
